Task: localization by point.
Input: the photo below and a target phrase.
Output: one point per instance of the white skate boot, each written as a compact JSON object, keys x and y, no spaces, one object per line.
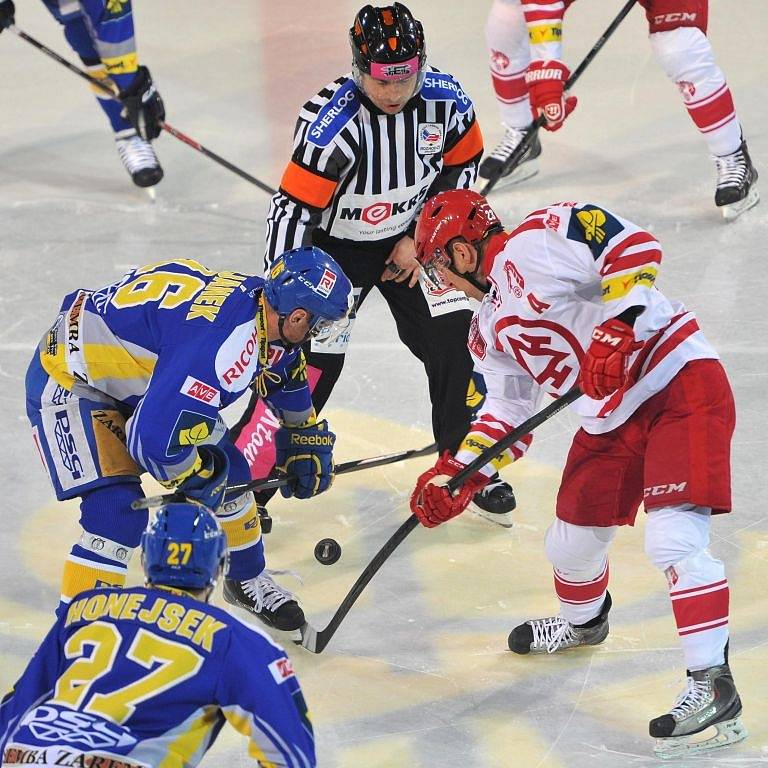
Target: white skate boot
{"x":736,"y":178}
{"x":705,"y":716}
{"x":139,"y":159}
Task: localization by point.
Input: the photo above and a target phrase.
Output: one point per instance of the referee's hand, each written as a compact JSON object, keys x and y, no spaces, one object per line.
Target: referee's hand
{"x":402,"y":264}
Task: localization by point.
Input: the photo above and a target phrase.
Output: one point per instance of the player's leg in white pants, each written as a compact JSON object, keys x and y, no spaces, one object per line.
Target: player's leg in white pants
{"x":687,"y":58}
{"x":579,"y":557}
{"x":507,"y":39}
{"x":676,"y":542}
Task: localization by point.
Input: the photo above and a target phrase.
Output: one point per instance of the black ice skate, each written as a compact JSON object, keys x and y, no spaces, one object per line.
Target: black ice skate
{"x":495,"y":502}
{"x":736,"y":177}
{"x":709,"y":701}
{"x":554,"y":633}
{"x":264,"y":598}
{"x":526,"y":168}
{"x":139,"y":159}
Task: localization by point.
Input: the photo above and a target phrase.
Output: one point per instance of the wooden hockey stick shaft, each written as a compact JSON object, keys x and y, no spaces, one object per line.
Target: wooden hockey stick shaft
{"x":273,"y":483}
{"x":530,"y":132}
{"x":107,"y":91}
{"x":316,"y":640}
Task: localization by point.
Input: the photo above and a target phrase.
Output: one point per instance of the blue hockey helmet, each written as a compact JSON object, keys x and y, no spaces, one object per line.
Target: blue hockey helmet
{"x":308,"y":278}
{"x":183,"y":546}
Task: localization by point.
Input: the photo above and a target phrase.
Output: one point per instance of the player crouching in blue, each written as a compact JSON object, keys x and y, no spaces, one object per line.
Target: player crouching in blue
{"x":131,"y":378}
{"x":144,"y":677}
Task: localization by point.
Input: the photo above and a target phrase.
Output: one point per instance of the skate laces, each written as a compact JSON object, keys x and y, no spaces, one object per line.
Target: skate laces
{"x":266,"y":593}
{"x":697,"y":694}
{"x":508,"y":144}
{"x":552,"y":632}
{"x":731,"y":169}
{"x":136,"y":153}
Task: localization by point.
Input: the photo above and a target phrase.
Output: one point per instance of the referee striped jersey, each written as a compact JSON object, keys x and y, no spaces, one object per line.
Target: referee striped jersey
{"x":361,"y":175}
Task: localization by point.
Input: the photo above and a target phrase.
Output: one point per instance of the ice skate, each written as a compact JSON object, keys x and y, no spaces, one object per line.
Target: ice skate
{"x":554,"y":633}
{"x":265,"y":598}
{"x":495,"y":502}
{"x":526,"y":168}
{"x":736,"y":178}
{"x":139,"y":159}
{"x":705,"y":716}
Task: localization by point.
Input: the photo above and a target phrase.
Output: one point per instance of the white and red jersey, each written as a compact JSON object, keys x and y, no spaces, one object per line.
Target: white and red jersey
{"x":564,"y":270}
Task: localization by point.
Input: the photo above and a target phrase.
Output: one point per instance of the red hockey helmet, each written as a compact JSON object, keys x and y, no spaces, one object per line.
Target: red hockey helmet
{"x":447,"y":216}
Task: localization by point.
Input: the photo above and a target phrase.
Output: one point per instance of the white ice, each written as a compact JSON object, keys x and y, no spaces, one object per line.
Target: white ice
{"x":418,"y":674}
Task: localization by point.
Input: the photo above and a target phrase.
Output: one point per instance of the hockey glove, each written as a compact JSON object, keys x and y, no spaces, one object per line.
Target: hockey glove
{"x":546,"y":83}
{"x":143,"y":106}
{"x":209,"y":483}
{"x":432,"y":502}
{"x":306,"y":454}
{"x":606,"y":362}
{"x":7,"y":12}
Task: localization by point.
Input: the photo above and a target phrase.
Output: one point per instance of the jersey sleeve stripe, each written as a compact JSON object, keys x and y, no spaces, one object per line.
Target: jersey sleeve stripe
{"x":308,"y":187}
{"x":630,"y":261}
{"x":466,"y":148}
{"x":618,"y":250}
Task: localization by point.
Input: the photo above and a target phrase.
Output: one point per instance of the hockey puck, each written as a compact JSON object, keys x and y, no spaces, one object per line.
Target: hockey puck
{"x":327,"y":551}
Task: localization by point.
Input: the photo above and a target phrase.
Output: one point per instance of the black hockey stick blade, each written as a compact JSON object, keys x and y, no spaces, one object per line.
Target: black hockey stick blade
{"x":316,"y":640}
{"x":272,"y":483}
{"x":517,"y":155}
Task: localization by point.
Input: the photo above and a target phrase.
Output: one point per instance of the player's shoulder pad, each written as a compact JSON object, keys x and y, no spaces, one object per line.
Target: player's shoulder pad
{"x":342,"y":104}
{"x":440,"y":86}
{"x":594,"y":226}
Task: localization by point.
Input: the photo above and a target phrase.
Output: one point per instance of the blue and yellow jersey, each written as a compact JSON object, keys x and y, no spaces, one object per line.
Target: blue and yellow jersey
{"x":171,"y":344}
{"x":148,"y":677}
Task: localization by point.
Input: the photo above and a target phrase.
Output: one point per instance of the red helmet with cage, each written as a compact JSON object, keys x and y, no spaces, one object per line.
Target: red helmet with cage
{"x":450,"y":215}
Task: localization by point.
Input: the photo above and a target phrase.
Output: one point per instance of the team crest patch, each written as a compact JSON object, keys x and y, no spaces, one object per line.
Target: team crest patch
{"x":281,"y":669}
{"x":199,"y":390}
{"x":327,"y":281}
{"x":430,"y":138}
{"x":594,"y":227}
{"x":191,"y":429}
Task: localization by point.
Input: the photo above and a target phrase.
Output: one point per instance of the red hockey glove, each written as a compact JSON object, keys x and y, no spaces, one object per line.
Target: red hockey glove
{"x":432,"y":502}
{"x":546,"y":81}
{"x":604,"y":367}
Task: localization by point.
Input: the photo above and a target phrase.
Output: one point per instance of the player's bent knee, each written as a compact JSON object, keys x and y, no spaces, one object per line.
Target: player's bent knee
{"x":106,"y":512}
{"x":576,"y":548}
{"x":674,"y":533}
{"x":684,"y":54}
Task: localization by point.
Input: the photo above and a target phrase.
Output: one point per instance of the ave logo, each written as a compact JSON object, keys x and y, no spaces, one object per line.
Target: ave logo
{"x":199,"y":390}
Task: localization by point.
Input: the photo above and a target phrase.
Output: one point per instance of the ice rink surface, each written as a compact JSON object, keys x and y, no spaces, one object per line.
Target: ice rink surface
{"x":418,"y":674}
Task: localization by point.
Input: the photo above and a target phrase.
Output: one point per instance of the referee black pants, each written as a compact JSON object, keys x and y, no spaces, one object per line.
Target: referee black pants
{"x":440,"y":343}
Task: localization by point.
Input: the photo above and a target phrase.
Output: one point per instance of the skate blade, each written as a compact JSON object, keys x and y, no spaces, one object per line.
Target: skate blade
{"x":523,"y":172}
{"x":734,"y":210}
{"x":503,"y":519}
{"x":716,"y":736}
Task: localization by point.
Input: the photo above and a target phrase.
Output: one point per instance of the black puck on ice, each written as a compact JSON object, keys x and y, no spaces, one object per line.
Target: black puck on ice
{"x":327,"y":551}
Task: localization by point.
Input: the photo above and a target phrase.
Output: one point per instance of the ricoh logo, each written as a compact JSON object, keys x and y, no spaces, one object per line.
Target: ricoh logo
{"x":65,"y":442}
{"x":236,"y":370}
{"x":665,"y":489}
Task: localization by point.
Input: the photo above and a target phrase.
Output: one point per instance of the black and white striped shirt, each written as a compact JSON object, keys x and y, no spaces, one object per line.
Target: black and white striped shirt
{"x":361,"y":175}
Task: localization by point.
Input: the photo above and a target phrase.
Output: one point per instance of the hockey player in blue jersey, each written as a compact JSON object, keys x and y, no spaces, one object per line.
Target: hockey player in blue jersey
{"x":148,"y":676}
{"x":130,"y":379}
{"x":100,"y":32}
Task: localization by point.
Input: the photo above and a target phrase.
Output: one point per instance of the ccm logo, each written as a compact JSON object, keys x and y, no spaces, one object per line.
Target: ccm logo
{"x":670,"y":18}
{"x":663,"y":490}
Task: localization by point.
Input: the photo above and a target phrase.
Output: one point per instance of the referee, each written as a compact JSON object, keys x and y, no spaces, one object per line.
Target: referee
{"x":369,"y":149}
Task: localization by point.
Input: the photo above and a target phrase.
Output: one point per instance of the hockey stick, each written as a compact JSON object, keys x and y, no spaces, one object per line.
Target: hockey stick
{"x":316,"y":641}
{"x":105,"y":89}
{"x":273,"y":483}
{"x":530,"y":132}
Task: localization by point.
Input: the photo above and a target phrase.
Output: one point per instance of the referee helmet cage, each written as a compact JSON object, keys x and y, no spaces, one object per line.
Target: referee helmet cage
{"x":455,"y":214}
{"x":387,"y":44}
{"x":184,"y":546}
{"x":308,"y":278}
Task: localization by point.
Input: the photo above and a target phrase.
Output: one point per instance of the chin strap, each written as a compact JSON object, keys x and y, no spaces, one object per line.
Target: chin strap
{"x":471,"y":277}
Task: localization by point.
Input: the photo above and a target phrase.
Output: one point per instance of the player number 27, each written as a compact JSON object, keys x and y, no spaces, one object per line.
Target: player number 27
{"x":173,"y":663}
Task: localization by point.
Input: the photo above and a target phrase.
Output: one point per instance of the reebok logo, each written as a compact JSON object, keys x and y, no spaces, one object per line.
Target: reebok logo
{"x":326,"y":440}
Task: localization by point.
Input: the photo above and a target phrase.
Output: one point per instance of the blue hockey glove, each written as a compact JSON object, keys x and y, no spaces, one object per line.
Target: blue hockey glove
{"x":208,"y":484}
{"x":306,"y":453}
